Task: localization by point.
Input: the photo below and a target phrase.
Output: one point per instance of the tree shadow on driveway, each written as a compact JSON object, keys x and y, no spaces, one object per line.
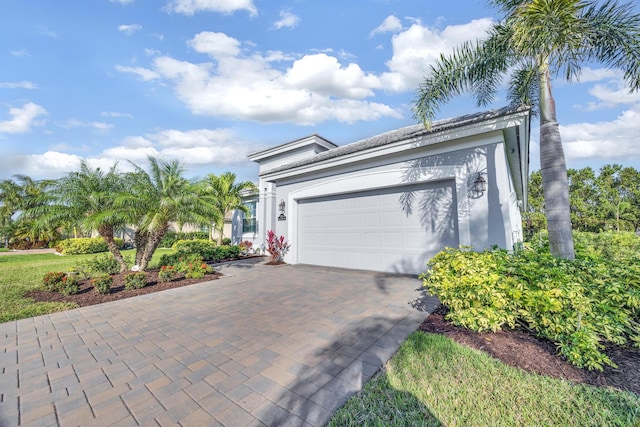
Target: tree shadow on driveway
{"x":327,"y":377}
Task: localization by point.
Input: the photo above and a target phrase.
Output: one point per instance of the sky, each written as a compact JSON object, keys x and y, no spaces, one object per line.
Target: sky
{"x":209,"y":81}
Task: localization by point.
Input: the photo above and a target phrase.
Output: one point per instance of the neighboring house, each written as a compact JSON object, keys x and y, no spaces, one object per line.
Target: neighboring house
{"x":390,"y":202}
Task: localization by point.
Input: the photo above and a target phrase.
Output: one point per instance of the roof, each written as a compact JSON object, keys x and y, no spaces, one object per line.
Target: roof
{"x":401,"y":134}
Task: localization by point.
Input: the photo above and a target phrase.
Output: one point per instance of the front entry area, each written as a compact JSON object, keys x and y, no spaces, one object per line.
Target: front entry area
{"x":396,"y":229}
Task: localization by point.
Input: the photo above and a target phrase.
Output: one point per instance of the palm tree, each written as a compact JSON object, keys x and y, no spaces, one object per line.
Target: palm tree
{"x":86,"y":198}
{"x":10,"y":200}
{"x":535,"y":40}
{"x":19,"y":199}
{"x":224,"y":194}
{"x":154,"y":200}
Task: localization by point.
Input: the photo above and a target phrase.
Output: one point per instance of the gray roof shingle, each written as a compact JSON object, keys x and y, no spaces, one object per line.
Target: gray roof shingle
{"x":401,"y":134}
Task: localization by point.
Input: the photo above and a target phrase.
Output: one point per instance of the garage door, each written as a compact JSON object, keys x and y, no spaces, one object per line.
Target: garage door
{"x":392,"y":230}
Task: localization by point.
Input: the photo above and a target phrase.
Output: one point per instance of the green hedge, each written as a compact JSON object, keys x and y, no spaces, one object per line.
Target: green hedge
{"x":207,"y":251}
{"x":171,"y":237}
{"x":579,"y":304}
{"x":85,"y":245}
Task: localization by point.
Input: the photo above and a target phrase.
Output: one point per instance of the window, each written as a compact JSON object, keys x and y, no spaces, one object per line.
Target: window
{"x":249,"y":219}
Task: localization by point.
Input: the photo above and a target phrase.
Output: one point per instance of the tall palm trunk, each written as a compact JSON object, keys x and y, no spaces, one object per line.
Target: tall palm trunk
{"x":553,"y":168}
{"x":152,"y":244}
{"x":106,"y":232}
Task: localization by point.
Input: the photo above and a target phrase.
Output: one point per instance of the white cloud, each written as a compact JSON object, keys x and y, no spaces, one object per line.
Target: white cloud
{"x":18,"y":85}
{"x":245,"y":85}
{"x":48,"y":33}
{"x":418,"y":47}
{"x":594,"y":75}
{"x":190,"y":7}
{"x":618,"y":139}
{"x":216,"y":45}
{"x":323,"y":75}
{"x":75,"y":123}
{"x":116,"y":114}
{"x":391,"y":24}
{"x":144,"y":73}
{"x":122,"y":2}
{"x":22,"y":119}
{"x":130,"y":29}
{"x":211,"y":147}
{"x":287,"y":20}
{"x":151,"y":52}
{"x":20,"y":52}
{"x":610,"y":95}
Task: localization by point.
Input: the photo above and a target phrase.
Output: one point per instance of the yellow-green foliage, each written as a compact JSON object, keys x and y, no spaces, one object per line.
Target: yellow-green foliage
{"x":84,"y":245}
{"x":579,"y":304}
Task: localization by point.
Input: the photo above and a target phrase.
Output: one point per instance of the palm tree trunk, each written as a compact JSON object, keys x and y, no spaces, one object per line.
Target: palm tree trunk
{"x":106,"y":232}
{"x":553,"y":167}
{"x":140,"y":238}
{"x":152,"y":244}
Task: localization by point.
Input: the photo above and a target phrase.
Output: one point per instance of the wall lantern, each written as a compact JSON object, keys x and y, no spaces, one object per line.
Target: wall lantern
{"x":479,"y":185}
{"x":282,"y":206}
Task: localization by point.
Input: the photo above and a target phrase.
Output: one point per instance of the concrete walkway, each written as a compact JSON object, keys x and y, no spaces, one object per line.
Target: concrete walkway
{"x":265,"y":345}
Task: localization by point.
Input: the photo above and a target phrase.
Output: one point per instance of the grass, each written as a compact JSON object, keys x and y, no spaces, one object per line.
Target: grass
{"x":4,"y":250}
{"x":20,"y":274}
{"x":435,"y":381}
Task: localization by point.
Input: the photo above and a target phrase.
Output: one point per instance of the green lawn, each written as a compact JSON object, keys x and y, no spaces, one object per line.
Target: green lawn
{"x":434,"y":381}
{"x":22,"y":273}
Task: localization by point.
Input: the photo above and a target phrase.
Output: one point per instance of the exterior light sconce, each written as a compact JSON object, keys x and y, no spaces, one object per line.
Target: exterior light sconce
{"x":282,"y":206}
{"x":479,"y":185}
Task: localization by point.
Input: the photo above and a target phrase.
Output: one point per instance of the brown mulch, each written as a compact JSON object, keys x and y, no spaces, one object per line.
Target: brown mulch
{"x":521,"y":349}
{"x":87,"y":295}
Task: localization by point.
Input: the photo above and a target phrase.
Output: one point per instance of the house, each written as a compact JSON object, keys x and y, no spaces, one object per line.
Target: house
{"x":390,"y":202}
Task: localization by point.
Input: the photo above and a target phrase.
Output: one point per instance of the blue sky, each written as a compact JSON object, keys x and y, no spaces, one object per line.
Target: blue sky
{"x":209,"y":81}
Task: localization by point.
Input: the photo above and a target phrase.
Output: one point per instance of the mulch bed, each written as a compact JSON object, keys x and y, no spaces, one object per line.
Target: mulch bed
{"x":88,"y":296}
{"x":521,"y":349}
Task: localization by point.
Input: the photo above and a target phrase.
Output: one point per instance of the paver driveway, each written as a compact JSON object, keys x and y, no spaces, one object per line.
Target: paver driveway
{"x":265,"y":345}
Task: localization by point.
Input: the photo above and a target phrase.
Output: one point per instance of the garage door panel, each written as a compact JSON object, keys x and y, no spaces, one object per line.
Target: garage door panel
{"x":371,"y":230}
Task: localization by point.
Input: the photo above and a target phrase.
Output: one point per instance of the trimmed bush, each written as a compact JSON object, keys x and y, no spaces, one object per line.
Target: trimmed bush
{"x":193,"y":266}
{"x":171,"y":237}
{"x":579,"y":304}
{"x":202,"y":247}
{"x":102,"y":283}
{"x":52,"y":281}
{"x":69,"y":285}
{"x":136,"y":280}
{"x":85,"y":245}
{"x":167,"y":273}
{"x":100,"y":264}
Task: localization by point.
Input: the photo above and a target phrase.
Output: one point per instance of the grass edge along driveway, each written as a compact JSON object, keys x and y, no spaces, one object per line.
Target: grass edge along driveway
{"x":434,"y":381}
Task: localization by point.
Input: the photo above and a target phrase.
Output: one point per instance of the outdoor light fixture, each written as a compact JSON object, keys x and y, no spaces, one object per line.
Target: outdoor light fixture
{"x":281,"y":206}
{"x":479,"y":185}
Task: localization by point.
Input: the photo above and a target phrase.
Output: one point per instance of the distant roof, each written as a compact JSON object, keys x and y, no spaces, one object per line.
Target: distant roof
{"x":401,"y":134}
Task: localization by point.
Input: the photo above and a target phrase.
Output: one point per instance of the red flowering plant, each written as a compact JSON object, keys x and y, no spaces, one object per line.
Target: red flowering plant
{"x":167,"y":273}
{"x":277,"y":247}
{"x":193,"y":267}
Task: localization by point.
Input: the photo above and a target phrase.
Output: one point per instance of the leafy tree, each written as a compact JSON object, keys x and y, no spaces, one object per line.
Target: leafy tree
{"x":19,"y":197}
{"x":583,"y":199}
{"x":224,"y":194}
{"x":155,"y":199}
{"x":86,"y":198}
{"x":535,"y":40}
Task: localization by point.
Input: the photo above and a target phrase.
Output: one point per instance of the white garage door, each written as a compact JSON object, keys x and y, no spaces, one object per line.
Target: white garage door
{"x":392,"y":230}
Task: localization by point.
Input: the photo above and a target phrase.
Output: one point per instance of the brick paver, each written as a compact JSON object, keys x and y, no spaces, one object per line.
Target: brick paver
{"x":284,"y":345}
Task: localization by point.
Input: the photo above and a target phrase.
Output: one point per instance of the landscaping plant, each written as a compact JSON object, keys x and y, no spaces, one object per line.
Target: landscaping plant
{"x":102,"y":283}
{"x":136,"y":280}
{"x":52,"y":281}
{"x":69,"y":285}
{"x":277,"y":247}
{"x":167,"y":273}
{"x":579,"y":304}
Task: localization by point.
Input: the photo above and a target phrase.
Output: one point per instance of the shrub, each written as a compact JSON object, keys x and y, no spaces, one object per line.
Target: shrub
{"x":100,"y":264}
{"x":277,"y":247}
{"x":227,"y":252}
{"x":172,"y":237}
{"x":226,"y":241}
{"x":579,"y":304}
{"x":193,"y":267}
{"x":202,"y":247}
{"x":69,"y":285}
{"x":85,"y":245}
{"x":137,"y":280}
{"x":167,"y":273}
{"x":52,"y":281}
{"x":102,"y":283}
